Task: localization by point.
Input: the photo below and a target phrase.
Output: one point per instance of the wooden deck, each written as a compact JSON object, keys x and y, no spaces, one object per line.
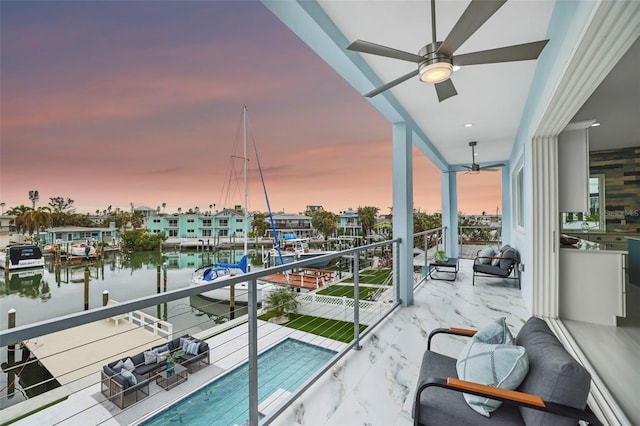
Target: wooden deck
{"x":77,"y":352}
{"x":309,"y":278}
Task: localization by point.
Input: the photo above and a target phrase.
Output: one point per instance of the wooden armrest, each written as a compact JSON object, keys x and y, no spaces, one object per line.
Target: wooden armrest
{"x":497,"y":392}
{"x":462,"y":331}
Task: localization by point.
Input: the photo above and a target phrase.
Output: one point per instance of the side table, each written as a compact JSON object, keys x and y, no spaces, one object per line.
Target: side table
{"x":444,"y":271}
{"x":167,"y":382}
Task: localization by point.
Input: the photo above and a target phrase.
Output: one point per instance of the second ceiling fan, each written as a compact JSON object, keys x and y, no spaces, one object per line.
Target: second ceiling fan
{"x":436,"y":59}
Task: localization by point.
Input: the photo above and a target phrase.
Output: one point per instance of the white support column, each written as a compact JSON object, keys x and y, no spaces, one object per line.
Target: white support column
{"x":506,"y":204}
{"x":403,"y":208}
{"x":450,"y":212}
{"x":544,"y":229}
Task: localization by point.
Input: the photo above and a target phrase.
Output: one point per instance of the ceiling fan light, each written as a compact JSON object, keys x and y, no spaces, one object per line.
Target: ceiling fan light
{"x":436,"y":72}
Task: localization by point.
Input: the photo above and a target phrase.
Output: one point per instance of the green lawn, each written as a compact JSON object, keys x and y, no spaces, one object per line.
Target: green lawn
{"x":332,"y":329}
{"x":345,"y":290}
{"x":373,"y":277}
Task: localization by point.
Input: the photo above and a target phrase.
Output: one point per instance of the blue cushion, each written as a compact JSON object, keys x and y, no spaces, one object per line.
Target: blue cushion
{"x":487,"y":251}
{"x":496,"y":332}
{"x":163,"y":348}
{"x":497,"y":365}
{"x":118,"y":366}
{"x":129,"y":377}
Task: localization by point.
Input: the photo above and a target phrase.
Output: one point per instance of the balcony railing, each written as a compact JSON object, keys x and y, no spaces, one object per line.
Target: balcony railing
{"x":361,"y":316}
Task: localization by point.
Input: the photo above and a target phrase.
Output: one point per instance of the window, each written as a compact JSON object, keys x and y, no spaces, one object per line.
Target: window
{"x":224,"y":222}
{"x":173,"y":222}
{"x":206,"y":232}
{"x":206,"y":222}
{"x":173,"y":232}
{"x":519,"y":198}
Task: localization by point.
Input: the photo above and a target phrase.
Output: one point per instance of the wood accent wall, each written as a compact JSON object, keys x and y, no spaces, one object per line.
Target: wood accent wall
{"x":621,"y":168}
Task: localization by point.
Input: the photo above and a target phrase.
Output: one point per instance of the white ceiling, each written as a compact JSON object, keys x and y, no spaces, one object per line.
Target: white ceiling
{"x":491,"y":97}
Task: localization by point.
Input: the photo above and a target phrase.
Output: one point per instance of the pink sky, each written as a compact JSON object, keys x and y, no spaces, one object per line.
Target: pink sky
{"x":112,"y":103}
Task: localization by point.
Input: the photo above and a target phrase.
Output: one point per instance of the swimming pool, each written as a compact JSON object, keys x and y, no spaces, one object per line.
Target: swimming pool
{"x":225,"y":401}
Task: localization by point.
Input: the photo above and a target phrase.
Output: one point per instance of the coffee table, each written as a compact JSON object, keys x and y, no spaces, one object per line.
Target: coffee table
{"x":444,"y":271}
{"x":167,"y":382}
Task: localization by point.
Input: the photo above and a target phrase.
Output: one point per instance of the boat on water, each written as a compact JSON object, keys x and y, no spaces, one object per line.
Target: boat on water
{"x":82,"y":250}
{"x":21,"y":256}
{"x":221,"y":271}
{"x":296,"y":249}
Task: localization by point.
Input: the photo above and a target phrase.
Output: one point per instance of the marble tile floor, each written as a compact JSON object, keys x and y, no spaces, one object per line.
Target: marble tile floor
{"x":372,"y":386}
{"x":375,"y":385}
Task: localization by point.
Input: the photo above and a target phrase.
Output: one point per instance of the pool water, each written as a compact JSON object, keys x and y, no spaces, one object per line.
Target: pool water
{"x":225,"y":401}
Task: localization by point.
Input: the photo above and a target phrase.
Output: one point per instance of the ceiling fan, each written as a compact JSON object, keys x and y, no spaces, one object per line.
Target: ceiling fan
{"x":474,"y":167}
{"x":436,"y":60}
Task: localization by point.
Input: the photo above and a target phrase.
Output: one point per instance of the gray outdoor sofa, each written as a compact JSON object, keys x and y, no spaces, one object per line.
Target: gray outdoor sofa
{"x":120,"y":390}
{"x":490,"y":263}
{"x":553,"y":392}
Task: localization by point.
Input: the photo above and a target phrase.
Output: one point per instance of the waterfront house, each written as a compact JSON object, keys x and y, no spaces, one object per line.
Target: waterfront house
{"x":349,"y":223}
{"x":69,"y":234}
{"x":7,"y":227}
{"x":289,"y":223}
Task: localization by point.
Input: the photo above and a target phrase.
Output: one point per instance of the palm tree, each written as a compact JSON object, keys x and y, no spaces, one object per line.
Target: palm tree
{"x":32,"y":220}
{"x":163,"y":206}
{"x":34,"y":197}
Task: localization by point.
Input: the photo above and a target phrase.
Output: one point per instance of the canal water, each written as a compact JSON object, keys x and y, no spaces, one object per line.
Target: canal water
{"x":53,"y":291}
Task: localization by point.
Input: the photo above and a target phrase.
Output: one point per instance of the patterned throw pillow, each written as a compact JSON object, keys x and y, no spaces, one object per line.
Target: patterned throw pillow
{"x":497,"y":365}
{"x":150,"y":357}
{"x":192,"y":349}
{"x":495,"y":332}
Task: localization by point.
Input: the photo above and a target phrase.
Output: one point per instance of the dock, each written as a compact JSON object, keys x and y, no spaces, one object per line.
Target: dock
{"x":308,"y":278}
{"x":72,"y":354}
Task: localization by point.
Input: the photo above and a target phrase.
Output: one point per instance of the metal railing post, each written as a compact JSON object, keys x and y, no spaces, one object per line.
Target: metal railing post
{"x":356,"y":300}
{"x":253,"y":352}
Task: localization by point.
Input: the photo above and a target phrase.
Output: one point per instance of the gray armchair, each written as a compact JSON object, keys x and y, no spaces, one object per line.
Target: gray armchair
{"x":499,"y":265}
{"x":554,"y":391}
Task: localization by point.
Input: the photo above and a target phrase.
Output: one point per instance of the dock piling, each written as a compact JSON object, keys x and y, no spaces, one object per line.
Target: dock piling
{"x":105,"y":298}
{"x":86,"y":288}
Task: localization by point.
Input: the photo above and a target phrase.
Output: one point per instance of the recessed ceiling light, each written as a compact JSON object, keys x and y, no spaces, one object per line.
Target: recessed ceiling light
{"x":456,"y":68}
{"x":596,"y":124}
{"x":468,"y":125}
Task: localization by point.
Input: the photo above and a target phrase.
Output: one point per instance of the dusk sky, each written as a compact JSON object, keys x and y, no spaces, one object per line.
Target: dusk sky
{"x":110,"y":103}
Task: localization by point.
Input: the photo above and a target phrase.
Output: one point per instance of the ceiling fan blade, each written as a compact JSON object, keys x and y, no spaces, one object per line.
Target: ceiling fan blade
{"x":476,"y":14}
{"x":391,"y":84}
{"x":466,"y":167}
{"x":519,"y":52}
{"x":445,"y":89}
{"x":492,"y":167}
{"x":377,"y":49}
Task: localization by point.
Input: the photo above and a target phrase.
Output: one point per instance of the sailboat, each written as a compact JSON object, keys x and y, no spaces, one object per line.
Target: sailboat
{"x":237,"y":293}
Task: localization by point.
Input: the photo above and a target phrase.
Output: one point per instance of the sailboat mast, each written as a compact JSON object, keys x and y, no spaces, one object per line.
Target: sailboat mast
{"x":246,"y":159}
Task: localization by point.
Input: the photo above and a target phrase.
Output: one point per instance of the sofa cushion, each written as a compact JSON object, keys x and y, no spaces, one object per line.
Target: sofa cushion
{"x":445,"y":407}
{"x":192,"y":348}
{"x":108,"y":370}
{"x":162,"y":348}
{"x":554,"y":375}
{"x":128,"y":365}
{"x":118,"y":366}
{"x":138,"y":359}
{"x":150,"y":357}
{"x":493,"y":270}
{"x":487,"y":251}
{"x":498,"y":365}
{"x":496,"y":261}
{"x":129,"y":377}
{"x":496,"y":332}
{"x":184,"y":339}
{"x":510,"y":255}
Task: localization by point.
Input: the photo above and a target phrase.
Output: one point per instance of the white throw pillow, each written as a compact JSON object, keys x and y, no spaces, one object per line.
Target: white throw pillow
{"x":128,"y":365}
{"x":487,"y":251}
